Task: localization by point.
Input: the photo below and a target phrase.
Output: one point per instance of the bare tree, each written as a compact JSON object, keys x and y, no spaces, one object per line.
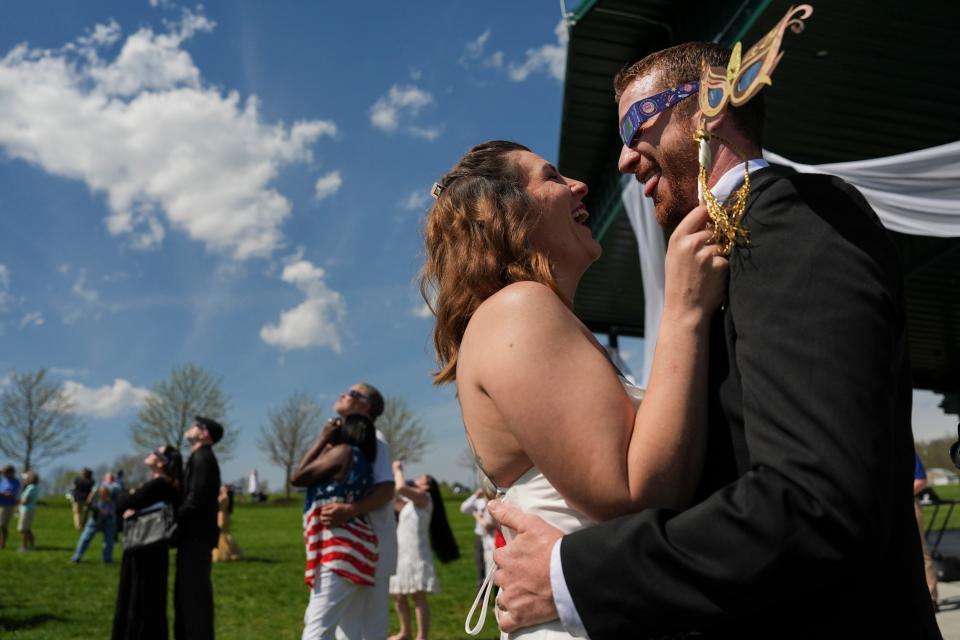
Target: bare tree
{"x":407,"y":438}
{"x":171,"y":406}
{"x":37,"y":420}
{"x":292,"y":429}
{"x":58,"y":481}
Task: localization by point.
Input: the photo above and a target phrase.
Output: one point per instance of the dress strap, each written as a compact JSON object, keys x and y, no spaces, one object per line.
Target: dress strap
{"x":485,"y":589}
{"x":490,"y":486}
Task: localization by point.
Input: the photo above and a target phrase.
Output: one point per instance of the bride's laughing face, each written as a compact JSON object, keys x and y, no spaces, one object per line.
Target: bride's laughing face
{"x":561,"y":232}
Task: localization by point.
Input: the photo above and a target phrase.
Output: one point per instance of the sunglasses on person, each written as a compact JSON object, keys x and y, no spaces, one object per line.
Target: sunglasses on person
{"x":356,"y":395}
{"x":642,"y":110}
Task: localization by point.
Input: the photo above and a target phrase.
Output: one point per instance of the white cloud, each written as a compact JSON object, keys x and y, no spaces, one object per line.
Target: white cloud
{"x":401,"y":105}
{"x":495,"y":60}
{"x":148,"y":61}
{"x":386,"y":112}
{"x":416,"y":201}
{"x":473,"y":50}
{"x":106,"y":401}
{"x":167,"y":150}
{"x":327,"y":185}
{"x":34,"y":317}
{"x":427,"y":133}
{"x":82,"y":291}
{"x":549,"y":58}
{"x":315,"y":321}
{"x":473,"y":53}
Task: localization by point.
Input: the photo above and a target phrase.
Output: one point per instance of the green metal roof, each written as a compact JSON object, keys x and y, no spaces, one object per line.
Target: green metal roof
{"x":866,"y":79}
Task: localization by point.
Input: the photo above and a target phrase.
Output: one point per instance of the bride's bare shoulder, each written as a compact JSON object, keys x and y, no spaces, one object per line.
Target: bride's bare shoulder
{"x":521,"y":311}
{"x":521,"y":298}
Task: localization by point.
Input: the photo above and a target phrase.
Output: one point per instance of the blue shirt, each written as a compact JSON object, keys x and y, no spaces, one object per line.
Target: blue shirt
{"x":919,"y":473}
{"x":13,"y":486}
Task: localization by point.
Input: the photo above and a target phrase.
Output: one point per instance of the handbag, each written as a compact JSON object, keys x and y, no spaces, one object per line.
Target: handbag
{"x":150,"y":526}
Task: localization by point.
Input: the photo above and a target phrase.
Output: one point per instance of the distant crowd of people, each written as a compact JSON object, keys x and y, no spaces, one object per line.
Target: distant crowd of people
{"x":179,"y":505}
{"x":370,"y":533}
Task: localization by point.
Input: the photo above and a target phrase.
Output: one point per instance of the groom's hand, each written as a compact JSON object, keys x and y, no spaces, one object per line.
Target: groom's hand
{"x":523,"y":569}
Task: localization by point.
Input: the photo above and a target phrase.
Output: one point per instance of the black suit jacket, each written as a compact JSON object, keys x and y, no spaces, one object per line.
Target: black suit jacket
{"x":803,"y":522}
{"x":201,"y":485}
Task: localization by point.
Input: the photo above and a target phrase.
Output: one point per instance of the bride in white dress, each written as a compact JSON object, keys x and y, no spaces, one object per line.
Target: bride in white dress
{"x":546,"y":415}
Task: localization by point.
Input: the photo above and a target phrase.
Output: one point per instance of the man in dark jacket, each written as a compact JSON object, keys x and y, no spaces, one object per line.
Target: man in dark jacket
{"x":197,"y":534}
{"x":82,"y":486}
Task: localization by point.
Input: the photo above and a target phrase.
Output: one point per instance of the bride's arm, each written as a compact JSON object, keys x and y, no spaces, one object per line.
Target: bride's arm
{"x":562,"y":400}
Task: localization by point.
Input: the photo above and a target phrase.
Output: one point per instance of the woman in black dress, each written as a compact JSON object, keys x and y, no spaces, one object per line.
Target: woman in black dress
{"x":141,"y":612}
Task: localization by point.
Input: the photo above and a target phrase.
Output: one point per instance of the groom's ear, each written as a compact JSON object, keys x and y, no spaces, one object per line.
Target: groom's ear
{"x":719,"y":122}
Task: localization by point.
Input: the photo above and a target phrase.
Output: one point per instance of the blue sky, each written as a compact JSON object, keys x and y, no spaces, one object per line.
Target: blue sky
{"x":241,"y":186}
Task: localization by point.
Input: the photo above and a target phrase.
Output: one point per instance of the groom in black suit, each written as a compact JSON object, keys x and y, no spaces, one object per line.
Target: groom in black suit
{"x":802,"y":526}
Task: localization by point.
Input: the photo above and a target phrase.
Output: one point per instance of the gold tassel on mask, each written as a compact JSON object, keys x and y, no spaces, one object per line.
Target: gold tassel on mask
{"x":728,"y":232}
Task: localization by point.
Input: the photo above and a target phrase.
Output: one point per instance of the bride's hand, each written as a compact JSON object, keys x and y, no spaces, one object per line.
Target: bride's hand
{"x":695,"y":275}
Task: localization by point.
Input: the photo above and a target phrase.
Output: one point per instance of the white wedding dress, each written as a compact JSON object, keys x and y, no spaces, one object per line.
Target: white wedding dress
{"x":533,"y":493}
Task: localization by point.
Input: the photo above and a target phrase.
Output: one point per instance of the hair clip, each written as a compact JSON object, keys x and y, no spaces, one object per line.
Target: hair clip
{"x":436,"y":190}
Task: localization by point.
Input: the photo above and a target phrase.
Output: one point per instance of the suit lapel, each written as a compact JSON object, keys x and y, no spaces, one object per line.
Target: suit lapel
{"x":727,"y":454}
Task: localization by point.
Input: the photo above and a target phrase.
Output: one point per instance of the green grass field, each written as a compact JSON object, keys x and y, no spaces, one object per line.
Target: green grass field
{"x":947,"y":492}
{"x":44,"y":597}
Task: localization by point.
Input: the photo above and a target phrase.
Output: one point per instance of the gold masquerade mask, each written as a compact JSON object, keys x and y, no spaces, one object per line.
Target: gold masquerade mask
{"x":742,"y":79}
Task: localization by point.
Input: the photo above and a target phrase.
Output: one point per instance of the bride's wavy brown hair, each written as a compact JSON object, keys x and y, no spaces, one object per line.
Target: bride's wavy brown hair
{"x":477,"y":242}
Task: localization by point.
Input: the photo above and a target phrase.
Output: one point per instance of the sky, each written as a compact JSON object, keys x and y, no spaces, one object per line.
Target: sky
{"x":241,"y":186}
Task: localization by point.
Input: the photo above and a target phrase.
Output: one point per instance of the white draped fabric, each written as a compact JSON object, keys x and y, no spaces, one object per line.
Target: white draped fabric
{"x":652,"y":251}
{"x":916,"y":193}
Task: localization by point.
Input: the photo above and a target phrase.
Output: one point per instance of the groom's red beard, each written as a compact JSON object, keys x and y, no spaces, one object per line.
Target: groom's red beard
{"x":676,"y":195}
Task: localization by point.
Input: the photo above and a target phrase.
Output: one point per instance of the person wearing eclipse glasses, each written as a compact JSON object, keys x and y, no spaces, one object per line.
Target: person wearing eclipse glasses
{"x":197,"y":533}
{"x":367,"y":615}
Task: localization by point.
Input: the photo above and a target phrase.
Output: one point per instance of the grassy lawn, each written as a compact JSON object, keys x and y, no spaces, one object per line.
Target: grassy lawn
{"x":46,"y":598}
{"x":944,"y":492}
